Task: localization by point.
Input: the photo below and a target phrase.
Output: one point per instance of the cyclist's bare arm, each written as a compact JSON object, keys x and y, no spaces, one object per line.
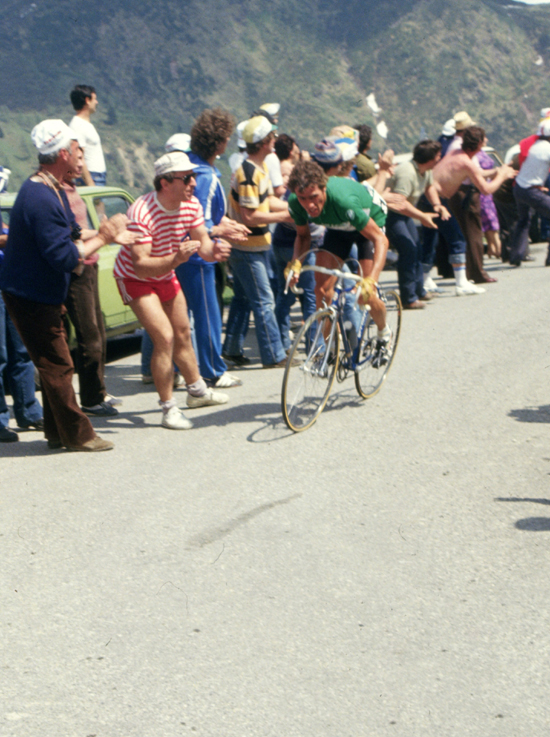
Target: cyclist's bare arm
{"x":302,"y":242}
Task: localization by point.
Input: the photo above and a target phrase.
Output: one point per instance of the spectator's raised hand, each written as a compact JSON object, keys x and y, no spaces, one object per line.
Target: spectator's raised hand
{"x":109,"y":229}
{"x":126,"y":238}
{"x":186,"y":249}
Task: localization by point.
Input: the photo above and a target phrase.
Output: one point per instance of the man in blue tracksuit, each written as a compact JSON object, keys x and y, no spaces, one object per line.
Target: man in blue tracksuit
{"x":209,"y":136}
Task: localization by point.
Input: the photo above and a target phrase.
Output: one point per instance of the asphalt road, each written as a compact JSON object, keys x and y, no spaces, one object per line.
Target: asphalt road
{"x":383,"y":574}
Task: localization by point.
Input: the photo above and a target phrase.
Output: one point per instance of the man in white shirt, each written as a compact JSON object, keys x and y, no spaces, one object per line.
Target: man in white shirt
{"x":84,"y":101}
{"x":530,"y":192}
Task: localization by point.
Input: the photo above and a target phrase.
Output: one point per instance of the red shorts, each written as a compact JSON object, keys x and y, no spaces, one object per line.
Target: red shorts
{"x":132,"y":288}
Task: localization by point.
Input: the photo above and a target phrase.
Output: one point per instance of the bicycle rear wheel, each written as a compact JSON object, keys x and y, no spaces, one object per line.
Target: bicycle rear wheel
{"x":374,"y":363}
{"x":307,"y":385}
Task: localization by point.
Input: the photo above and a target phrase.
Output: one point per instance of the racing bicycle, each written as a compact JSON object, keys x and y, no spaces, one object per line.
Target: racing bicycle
{"x":329,"y":347}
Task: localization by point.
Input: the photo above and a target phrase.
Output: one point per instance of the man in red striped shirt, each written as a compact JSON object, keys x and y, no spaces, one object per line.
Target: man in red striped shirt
{"x":170,"y":226}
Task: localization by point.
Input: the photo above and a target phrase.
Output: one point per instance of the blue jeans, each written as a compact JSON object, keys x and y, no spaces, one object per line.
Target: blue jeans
{"x":526,"y":198}
{"x":18,"y":369}
{"x":403,"y":236}
{"x":449,"y":229}
{"x":253,"y":291}
{"x":283,"y":254}
{"x":99,"y":177}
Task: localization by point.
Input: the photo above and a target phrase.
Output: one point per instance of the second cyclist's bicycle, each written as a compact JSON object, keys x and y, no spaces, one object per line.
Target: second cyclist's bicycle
{"x":326,"y":348}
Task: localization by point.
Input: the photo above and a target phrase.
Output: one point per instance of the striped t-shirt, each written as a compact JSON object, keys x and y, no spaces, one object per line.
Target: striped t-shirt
{"x":164,"y":229}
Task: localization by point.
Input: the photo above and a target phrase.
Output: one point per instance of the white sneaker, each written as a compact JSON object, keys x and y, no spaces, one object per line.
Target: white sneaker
{"x":431,"y":286}
{"x":113,"y":401}
{"x":174,"y":419}
{"x":179,"y":381}
{"x":209,"y":398}
{"x":468,"y":289}
{"x":226,"y":381}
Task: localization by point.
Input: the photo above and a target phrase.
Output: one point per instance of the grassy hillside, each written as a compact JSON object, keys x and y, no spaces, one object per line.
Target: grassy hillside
{"x":156,"y":66}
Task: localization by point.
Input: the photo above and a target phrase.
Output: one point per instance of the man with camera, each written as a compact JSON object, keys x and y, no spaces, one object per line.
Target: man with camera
{"x":43,"y":248}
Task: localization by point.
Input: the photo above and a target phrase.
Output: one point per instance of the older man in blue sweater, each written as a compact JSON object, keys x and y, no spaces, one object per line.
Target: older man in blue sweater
{"x":43,"y":249}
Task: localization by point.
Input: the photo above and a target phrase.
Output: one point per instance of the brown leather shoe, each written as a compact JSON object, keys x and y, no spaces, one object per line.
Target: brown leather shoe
{"x":416,"y":305}
{"x":94,"y":445}
{"x":428,"y":296}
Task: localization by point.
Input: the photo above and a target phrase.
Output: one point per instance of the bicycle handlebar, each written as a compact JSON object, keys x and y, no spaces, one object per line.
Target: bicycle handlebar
{"x":321,"y":270}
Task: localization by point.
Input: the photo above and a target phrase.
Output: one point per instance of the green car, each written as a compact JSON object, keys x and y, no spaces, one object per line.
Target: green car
{"x":100,"y":201}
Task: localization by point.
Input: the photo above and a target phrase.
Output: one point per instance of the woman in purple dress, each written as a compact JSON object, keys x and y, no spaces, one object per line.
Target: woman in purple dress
{"x":489,"y":217}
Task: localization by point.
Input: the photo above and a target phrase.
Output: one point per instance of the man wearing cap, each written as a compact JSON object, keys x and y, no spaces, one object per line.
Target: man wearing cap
{"x":530,"y":192}
{"x":252,"y":203}
{"x":169,"y":223}
{"x":43,"y":249}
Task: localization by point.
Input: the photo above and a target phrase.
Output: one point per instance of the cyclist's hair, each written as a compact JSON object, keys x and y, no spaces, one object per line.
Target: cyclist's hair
{"x":253,"y":148}
{"x":210,"y":129}
{"x":305,"y":174}
{"x":169,"y":176}
{"x":365,"y":135}
{"x":80,"y":94}
{"x":426,"y":151}
{"x":283,"y":146}
{"x":473,"y":136}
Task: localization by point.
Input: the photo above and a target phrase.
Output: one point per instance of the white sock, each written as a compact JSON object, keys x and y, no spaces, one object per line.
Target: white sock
{"x":460,"y":275}
{"x":384,"y":334}
{"x":168,"y":404}
{"x":197,"y":388}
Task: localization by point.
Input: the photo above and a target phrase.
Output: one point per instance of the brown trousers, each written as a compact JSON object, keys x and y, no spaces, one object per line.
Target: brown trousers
{"x":43,"y":333}
{"x":466,"y":208}
{"x":83,"y":306}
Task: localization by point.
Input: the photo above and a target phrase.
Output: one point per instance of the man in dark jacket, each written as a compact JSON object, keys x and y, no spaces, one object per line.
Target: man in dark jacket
{"x":43,"y":249}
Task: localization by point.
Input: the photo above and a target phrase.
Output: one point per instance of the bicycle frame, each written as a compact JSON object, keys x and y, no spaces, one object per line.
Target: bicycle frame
{"x":340,"y":294}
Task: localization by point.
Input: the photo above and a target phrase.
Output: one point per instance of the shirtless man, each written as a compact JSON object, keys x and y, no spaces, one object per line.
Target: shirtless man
{"x":448,"y":176}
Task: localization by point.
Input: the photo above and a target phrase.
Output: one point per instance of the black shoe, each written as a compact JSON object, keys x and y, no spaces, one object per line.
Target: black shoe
{"x":55,"y":444}
{"x":515,"y":263}
{"x":237,"y":360}
{"x":36,"y":425}
{"x":103,"y":409}
{"x":8,"y":436}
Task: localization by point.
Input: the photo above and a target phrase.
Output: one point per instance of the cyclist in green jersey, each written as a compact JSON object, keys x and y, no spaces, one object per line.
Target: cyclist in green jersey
{"x":352,"y":213}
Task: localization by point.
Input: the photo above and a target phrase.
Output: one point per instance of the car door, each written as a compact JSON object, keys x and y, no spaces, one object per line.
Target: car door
{"x":103,"y":201}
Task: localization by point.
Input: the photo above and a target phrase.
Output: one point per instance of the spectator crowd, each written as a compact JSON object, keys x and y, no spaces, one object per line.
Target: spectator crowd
{"x":446,"y":209}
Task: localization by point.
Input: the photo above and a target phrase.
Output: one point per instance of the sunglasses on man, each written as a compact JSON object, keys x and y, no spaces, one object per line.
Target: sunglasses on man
{"x":186,"y":179}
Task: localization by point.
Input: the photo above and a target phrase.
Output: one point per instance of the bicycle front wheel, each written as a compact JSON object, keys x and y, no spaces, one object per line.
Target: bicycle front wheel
{"x":374,"y":362}
{"x":310,"y":370}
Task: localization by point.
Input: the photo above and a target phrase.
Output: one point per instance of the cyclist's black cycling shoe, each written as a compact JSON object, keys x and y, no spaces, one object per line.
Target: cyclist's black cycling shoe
{"x":382,"y":353}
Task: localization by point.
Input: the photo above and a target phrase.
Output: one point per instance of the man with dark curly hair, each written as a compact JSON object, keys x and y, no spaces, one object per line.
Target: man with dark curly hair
{"x":209,"y":136}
